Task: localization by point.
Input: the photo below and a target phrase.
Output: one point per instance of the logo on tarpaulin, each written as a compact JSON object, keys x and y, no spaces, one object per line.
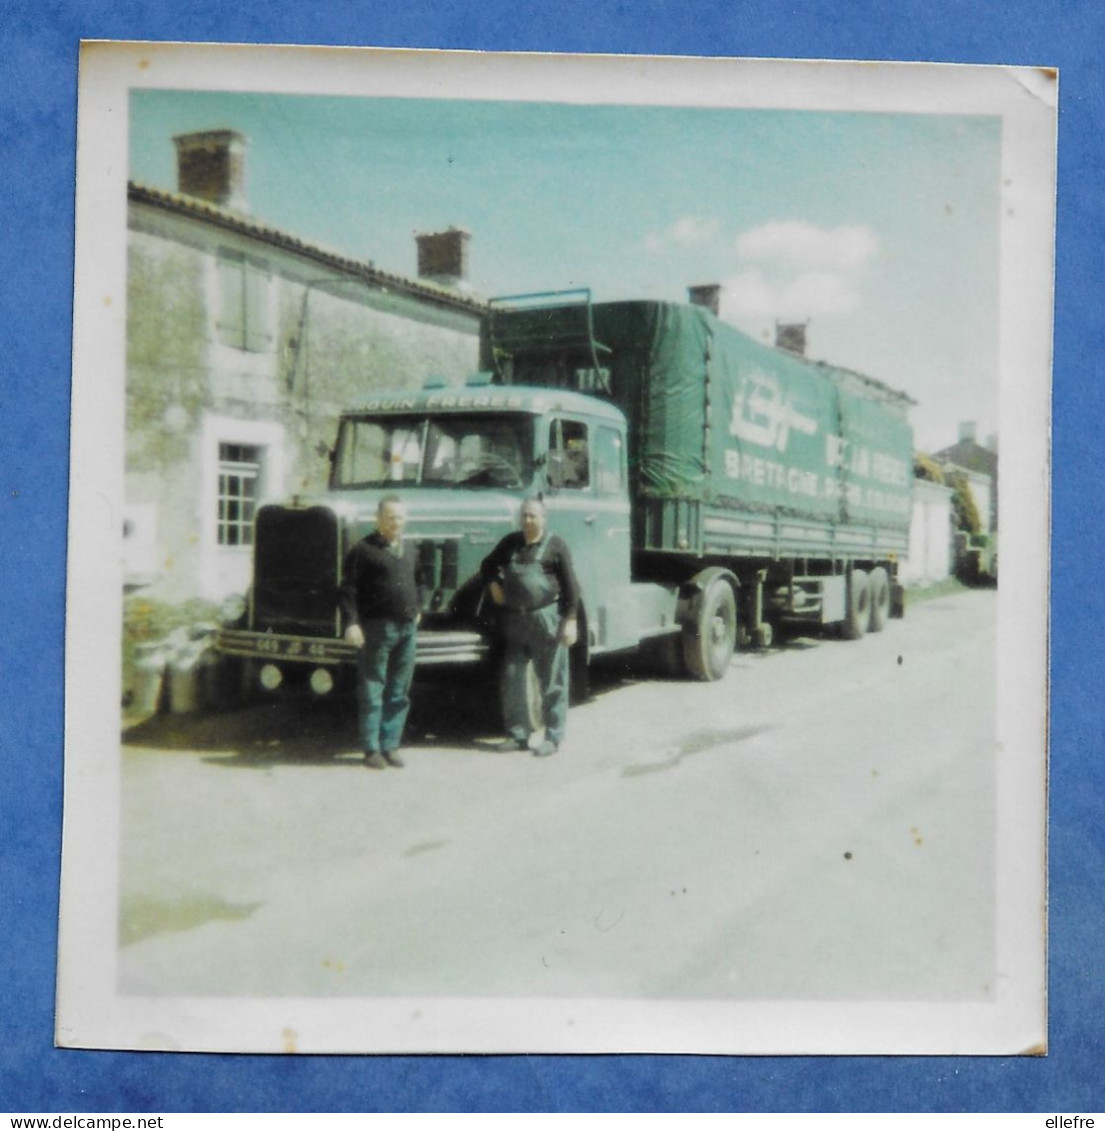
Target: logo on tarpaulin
{"x":763,"y":414}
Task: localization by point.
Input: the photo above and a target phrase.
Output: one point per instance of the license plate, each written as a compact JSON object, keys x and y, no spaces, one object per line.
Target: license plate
{"x":303,"y":648}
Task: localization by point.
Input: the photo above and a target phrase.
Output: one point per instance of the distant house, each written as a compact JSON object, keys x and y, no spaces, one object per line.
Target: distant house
{"x":243,"y":344}
{"x":930,"y":537}
{"x":979,"y":462}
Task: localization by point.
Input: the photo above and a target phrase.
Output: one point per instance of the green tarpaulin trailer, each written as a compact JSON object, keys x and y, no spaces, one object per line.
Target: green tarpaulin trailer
{"x":751,"y":468}
{"x":735,"y":447}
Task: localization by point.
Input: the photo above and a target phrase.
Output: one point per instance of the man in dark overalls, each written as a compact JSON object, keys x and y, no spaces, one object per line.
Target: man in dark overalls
{"x":530,"y":577}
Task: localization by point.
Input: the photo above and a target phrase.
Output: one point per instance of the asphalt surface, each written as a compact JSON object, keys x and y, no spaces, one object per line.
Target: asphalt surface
{"x":819,"y":825}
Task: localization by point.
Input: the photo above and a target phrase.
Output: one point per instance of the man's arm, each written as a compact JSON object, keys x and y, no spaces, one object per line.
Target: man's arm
{"x":569,"y":592}
{"x":491,"y":567}
{"x":494,"y":562}
{"x":347,"y":600}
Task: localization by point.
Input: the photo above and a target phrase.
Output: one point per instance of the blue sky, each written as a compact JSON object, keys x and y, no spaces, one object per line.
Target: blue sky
{"x":881,"y":229}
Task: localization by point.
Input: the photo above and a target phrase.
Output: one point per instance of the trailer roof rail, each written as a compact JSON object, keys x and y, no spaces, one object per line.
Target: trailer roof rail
{"x":541,"y":298}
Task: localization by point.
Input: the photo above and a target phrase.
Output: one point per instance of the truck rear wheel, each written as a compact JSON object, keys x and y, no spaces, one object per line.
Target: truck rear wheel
{"x":879,"y":585}
{"x":859,"y":606}
{"x":711,"y":636}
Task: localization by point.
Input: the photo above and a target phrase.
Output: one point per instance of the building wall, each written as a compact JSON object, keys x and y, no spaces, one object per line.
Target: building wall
{"x":341,"y":349}
{"x":201,"y":391}
{"x":930,"y":545}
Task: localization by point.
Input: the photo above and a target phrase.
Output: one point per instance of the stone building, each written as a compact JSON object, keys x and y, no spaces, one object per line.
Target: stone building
{"x":930,"y":540}
{"x":243,"y":344}
{"x":980,"y":464}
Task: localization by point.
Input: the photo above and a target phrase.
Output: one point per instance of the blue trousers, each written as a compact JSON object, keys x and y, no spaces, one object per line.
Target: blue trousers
{"x":534,"y":636}
{"x":385,"y":668}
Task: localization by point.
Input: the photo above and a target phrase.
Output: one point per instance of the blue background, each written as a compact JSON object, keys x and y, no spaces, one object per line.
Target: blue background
{"x":38,"y":74}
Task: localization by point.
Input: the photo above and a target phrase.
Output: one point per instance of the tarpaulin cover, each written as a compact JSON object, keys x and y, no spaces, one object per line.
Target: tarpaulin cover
{"x":717,"y":417}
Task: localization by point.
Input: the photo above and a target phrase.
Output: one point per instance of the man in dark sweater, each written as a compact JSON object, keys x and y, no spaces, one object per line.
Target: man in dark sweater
{"x":380,"y":602}
{"x":530,"y":577}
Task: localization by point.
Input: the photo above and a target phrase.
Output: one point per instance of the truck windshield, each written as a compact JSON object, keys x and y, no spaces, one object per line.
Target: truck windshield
{"x":465,"y":450}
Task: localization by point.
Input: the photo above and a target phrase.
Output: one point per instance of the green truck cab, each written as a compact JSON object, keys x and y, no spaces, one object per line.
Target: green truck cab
{"x":462,"y":461}
{"x":712,"y":490}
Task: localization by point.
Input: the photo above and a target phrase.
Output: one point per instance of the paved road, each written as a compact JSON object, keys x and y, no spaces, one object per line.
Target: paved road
{"x":818,"y":825}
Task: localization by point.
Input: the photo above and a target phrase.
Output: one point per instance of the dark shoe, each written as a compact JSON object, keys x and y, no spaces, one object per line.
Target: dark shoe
{"x":545,"y":749}
{"x":392,"y":758}
{"x":373,"y":760}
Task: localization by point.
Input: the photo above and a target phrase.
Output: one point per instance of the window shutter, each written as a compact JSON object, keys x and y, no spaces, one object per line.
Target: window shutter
{"x":231,"y":324}
{"x":257,"y":336}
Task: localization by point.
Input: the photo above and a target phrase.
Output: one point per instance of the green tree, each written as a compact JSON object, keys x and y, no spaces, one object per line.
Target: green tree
{"x":965,"y":514}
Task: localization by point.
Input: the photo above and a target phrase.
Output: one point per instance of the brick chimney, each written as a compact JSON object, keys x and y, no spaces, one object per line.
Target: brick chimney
{"x":968,"y":431}
{"x":707,"y":295}
{"x":211,"y":165}
{"x":791,"y":336}
{"x":443,"y":257}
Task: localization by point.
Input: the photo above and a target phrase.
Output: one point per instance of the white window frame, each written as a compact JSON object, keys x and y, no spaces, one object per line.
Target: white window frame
{"x":225,"y":569}
{"x":244,"y":471}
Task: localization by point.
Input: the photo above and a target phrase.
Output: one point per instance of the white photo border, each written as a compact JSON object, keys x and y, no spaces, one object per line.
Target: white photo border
{"x":91,"y":1014}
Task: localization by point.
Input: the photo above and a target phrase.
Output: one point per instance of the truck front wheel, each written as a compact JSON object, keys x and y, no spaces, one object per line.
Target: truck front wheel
{"x":710,"y":637}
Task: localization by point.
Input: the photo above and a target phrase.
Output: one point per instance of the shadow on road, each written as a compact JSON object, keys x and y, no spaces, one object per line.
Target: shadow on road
{"x":303,"y":730}
{"x":300,"y":729}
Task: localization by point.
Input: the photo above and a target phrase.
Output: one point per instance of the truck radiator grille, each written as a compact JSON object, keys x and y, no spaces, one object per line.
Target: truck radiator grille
{"x":439,"y":562}
{"x":296,"y":571}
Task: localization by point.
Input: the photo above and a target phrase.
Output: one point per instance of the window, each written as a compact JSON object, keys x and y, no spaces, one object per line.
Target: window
{"x":609,"y":461}
{"x":243,"y":321}
{"x":239,"y":481}
{"x":569,"y":458}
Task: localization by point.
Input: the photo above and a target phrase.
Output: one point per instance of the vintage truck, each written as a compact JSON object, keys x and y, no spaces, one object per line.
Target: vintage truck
{"x":712,"y":490}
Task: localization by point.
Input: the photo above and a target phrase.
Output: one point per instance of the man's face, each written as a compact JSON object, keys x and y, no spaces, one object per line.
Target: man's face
{"x":533,"y":522}
{"x":390,"y":520}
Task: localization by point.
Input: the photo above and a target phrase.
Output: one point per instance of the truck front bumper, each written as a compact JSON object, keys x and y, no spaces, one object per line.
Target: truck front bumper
{"x":434,"y":647}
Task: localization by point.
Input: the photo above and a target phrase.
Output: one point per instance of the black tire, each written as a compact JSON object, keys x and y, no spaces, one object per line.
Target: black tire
{"x":579,"y":670}
{"x":711,"y":637}
{"x":858,"y":615}
{"x":879,"y":585}
{"x":662,"y":656}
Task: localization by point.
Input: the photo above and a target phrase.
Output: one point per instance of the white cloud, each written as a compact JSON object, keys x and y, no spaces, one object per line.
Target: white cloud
{"x":687,"y":231}
{"x":818,"y":292}
{"x":793,"y":245}
{"x":791,"y":271}
{"x":750,"y":297}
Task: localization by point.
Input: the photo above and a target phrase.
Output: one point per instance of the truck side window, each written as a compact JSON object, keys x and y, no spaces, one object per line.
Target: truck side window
{"x":569,"y":455}
{"x":609,"y":460}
